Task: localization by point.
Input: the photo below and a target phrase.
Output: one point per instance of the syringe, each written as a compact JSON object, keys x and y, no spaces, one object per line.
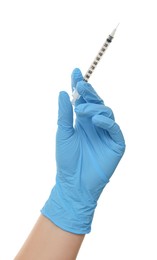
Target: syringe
{"x":89,"y":72}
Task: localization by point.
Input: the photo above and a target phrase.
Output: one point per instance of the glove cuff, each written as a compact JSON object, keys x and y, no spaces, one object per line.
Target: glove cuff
{"x":69,"y":216}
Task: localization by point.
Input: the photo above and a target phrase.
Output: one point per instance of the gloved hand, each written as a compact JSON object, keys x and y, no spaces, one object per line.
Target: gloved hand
{"x":86,"y":157}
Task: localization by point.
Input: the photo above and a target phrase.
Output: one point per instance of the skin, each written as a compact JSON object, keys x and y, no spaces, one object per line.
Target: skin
{"x":48,"y":242}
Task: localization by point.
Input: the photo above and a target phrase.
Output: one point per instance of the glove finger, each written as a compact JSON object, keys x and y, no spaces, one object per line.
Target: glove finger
{"x":90,"y":110}
{"x":65,"y":113}
{"x":76,"y":76}
{"x":88,"y":93}
{"x":111,"y":127}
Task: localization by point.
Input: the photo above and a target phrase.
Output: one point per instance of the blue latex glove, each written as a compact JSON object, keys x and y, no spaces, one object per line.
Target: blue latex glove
{"x":86,"y":157}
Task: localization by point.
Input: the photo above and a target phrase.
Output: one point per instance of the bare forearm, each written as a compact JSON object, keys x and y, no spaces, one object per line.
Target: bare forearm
{"x":47,"y":241}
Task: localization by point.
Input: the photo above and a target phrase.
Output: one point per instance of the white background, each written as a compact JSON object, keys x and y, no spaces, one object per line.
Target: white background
{"x":40,"y":44}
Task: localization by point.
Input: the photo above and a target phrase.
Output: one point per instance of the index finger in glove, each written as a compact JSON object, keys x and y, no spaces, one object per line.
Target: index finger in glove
{"x":88,"y":93}
{"x":76,"y":76}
